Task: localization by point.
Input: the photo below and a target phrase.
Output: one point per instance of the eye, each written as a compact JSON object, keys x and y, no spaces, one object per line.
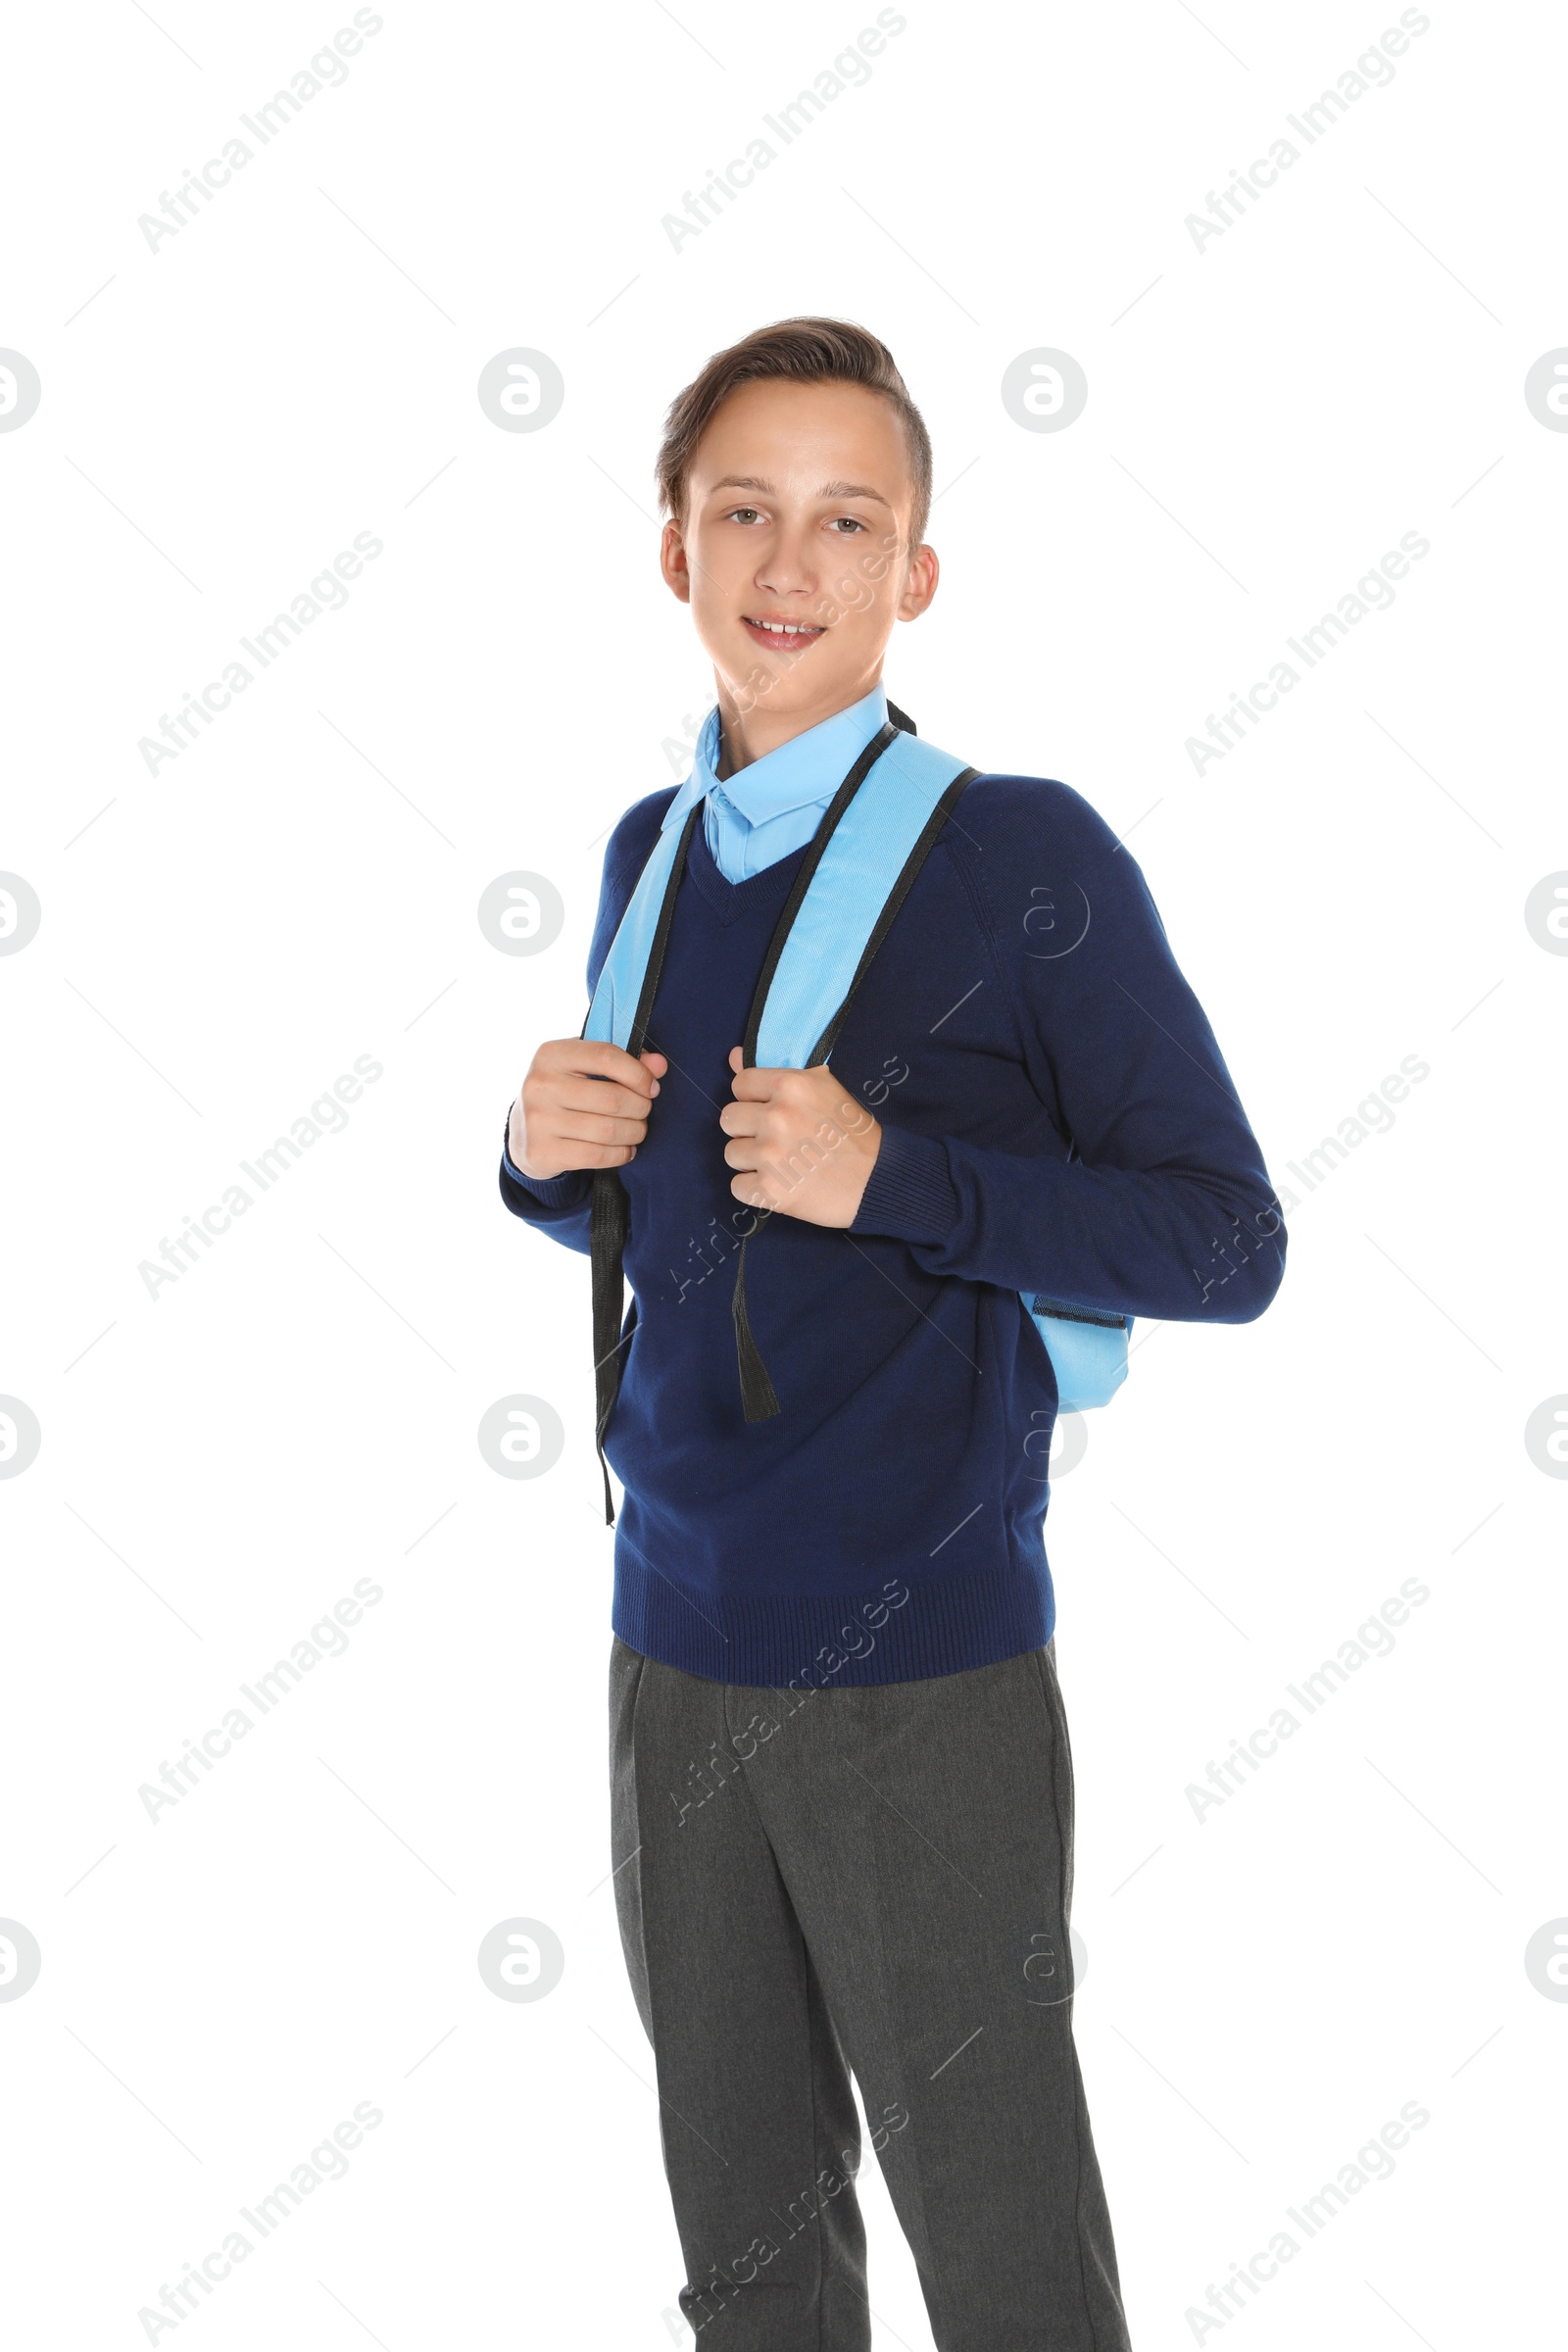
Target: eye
{"x":854,"y":523}
{"x":739,"y":510}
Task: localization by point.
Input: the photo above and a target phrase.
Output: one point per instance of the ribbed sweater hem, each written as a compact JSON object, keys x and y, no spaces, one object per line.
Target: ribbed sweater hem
{"x":781,"y":1641}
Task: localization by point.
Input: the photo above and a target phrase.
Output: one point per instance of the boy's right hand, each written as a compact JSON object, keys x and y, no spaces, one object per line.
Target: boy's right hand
{"x":583,"y":1105}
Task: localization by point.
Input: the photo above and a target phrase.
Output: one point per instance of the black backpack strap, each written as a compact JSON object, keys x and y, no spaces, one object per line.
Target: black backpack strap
{"x":832,"y":816}
{"x":609,"y":1216}
{"x":757,"y":1390}
{"x":758,"y":1394}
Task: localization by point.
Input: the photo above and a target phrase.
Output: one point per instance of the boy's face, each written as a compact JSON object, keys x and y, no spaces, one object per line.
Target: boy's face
{"x":798,"y":503}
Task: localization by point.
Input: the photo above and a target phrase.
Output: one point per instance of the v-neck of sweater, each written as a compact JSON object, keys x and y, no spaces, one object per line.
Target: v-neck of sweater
{"x":728,"y":899}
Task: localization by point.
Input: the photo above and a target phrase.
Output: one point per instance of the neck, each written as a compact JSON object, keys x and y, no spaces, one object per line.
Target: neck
{"x":749,"y":732}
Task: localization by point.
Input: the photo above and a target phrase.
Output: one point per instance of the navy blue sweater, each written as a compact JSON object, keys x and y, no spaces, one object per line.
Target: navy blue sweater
{"x":1056,"y":1117}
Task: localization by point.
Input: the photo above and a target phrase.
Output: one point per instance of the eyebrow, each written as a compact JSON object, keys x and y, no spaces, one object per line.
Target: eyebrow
{"x":752,"y":482}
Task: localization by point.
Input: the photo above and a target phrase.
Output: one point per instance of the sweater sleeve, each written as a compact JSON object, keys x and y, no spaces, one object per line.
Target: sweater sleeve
{"x":1149,"y":1194}
{"x":561,"y":1206}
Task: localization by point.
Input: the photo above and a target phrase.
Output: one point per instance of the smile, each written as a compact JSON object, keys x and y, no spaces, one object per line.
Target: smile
{"x":781,"y":633}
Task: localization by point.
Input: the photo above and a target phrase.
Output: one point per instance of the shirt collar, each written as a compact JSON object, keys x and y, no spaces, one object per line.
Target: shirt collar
{"x":810,"y":766}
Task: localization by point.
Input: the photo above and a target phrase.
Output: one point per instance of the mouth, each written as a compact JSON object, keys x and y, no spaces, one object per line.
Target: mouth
{"x":791,"y":635}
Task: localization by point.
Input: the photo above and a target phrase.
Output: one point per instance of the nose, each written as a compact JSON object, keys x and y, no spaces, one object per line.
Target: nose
{"x":787,"y":568}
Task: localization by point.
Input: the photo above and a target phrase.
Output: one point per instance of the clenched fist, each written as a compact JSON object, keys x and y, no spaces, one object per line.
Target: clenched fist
{"x":583,"y":1105}
{"x":803,"y":1146}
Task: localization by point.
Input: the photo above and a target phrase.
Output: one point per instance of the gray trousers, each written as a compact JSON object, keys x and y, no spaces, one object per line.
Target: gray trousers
{"x":810,"y":1881}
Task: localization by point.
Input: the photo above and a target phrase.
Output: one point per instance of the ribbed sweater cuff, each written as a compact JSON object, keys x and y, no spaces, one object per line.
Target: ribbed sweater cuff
{"x":551,"y":1192}
{"x":911,"y":1193}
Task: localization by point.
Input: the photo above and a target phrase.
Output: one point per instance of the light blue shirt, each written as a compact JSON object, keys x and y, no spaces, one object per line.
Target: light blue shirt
{"x":765,"y":811}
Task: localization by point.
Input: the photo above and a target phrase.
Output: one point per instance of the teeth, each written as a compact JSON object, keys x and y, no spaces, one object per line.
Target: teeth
{"x":784,"y":628}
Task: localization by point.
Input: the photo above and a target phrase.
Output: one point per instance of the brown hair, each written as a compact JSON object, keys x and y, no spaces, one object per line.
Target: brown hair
{"x":803,"y":351}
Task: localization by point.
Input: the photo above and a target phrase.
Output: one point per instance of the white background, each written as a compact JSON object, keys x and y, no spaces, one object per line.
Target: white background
{"x":219,"y":941}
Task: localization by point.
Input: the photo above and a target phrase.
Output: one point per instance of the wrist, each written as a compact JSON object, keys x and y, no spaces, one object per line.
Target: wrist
{"x":513,"y":1147}
{"x":516,"y":1146}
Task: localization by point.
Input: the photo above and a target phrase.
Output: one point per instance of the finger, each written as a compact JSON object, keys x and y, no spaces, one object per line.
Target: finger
{"x":597,"y":1058}
{"x":587,"y":1127}
{"x":596,"y":1095}
{"x":601,"y":1155}
{"x":593,"y":1155}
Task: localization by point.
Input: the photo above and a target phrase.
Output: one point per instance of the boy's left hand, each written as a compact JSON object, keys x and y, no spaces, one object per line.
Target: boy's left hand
{"x":802,"y":1145}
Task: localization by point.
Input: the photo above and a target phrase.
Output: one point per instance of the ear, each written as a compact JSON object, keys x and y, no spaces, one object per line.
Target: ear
{"x":672,"y":562}
{"x":921,"y":585}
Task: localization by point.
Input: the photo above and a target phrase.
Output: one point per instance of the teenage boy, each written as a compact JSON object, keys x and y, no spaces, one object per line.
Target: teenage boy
{"x":842,"y":1789}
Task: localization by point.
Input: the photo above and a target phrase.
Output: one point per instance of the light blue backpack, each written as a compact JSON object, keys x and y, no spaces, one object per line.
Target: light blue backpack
{"x":871,"y":843}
